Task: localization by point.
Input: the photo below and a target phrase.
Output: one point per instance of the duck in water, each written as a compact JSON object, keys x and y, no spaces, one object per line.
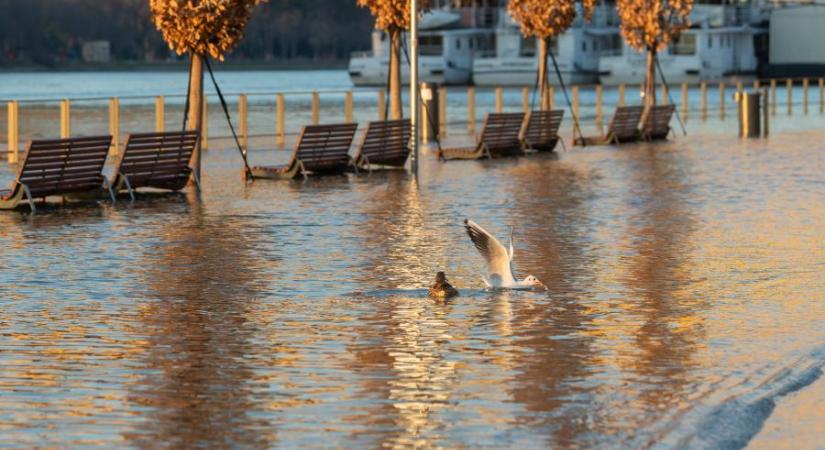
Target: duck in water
{"x":441,"y":289}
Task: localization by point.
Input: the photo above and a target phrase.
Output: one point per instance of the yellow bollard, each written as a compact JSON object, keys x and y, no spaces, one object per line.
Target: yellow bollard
{"x":822,"y":95}
{"x":280,"y":120}
{"x":773,"y":97}
{"x":348,"y":116}
{"x":805,"y":96}
{"x":65,"y":119}
{"x":665,"y":94}
{"x":756,"y":85}
{"x":205,"y":127}
{"x":160,"y":114}
{"x":243,"y":121}
{"x":13,"y":121}
{"x":575,"y":101}
{"x":499,"y":100}
{"x":789,"y":90}
{"x":525,"y":100}
{"x":316,"y":108}
{"x":471,"y":109}
{"x":703,"y":88}
{"x":114,"y":124}
{"x":722,"y":101}
{"x":621,"y":95}
{"x":442,"y":111}
{"x":684,"y":102}
{"x":382,"y":105}
{"x":599,"y":106}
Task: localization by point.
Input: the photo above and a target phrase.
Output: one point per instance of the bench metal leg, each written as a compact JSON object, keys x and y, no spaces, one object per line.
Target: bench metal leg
{"x":302,"y":169}
{"x":197,"y":181}
{"x":354,"y":165}
{"x":29,"y":198}
{"x":563,"y":145}
{"x":109,"y":188}
{"x":369,"y":166}
{"x":128,"y":187}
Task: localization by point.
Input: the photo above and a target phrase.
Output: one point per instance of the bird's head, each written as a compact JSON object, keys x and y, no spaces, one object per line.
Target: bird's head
{"x":535,"y":283}
{"x":440,"y":277}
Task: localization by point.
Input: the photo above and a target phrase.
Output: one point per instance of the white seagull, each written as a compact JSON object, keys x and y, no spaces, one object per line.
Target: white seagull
{"x":499,"y":260}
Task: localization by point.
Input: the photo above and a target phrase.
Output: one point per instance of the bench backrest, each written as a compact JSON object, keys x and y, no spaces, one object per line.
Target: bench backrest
{"x":625,"y":122}
{"x":64,"y":166}
{"x":157,"y":159}
{"x":542,"y":127}
{"x":657,"y":121}
{"x":325,"y":147}
{"x":386,"y":142}
{"x":501,"y":131}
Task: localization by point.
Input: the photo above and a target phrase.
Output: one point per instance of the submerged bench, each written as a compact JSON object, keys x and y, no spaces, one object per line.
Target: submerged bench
{"x":541,"y":130}
{"x":59,"y":167}
{"x":656,"y":124}
{"x":156,"y":160}
{"x":320,"y":149}
{"x":385,"y":144}
{"x":499,"y":137}
{"x":624,"y":127}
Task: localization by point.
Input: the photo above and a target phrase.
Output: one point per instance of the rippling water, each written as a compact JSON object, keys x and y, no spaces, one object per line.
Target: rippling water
{"x":685,"y":296}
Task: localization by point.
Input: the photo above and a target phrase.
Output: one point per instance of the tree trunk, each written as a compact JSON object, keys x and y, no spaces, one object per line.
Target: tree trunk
{"x":650,"y":79}
{"x":544,"y":48}
{"x":195,"y":119}
{"x":396,"y":107}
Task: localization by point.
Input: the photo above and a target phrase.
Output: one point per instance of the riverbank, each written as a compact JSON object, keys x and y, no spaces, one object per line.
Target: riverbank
{"x":797,"y":422}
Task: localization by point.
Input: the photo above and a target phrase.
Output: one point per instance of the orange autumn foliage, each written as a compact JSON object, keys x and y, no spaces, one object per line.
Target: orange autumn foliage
{"x":653,"y":24}
{"x":202,"y":27}
{"x":547,"y":18}
{"x":392,"y":15}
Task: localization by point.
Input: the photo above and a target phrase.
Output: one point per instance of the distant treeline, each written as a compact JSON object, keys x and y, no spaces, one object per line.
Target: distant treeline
{"x":52,"y":32}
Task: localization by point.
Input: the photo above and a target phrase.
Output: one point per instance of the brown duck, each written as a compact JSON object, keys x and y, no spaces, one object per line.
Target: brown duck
{"x":441,"y":288}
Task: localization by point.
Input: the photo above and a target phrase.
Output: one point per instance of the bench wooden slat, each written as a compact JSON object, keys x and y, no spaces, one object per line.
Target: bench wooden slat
{"x":656,"y":124}
{"x":541,"y":130}
{"x":385,"y":143}
{"x":153,"y":159}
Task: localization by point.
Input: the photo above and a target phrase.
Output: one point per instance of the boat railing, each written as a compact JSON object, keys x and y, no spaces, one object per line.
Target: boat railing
{"x":361,"y":54}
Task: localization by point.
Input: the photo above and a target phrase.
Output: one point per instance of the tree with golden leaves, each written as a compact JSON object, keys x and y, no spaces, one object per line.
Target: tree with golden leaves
{"x":544,"y":20}
{"x":393,"y":16}
{"x":201,"y":28}
{"x":649,"y":26}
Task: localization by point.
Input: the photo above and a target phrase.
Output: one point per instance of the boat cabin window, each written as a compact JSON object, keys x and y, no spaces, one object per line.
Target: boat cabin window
{"x":528,"y":46}
{"x":458,"y":44}
{"x":684,"y":45}
{"x":710,"y":41}
{"x":431,"y":45}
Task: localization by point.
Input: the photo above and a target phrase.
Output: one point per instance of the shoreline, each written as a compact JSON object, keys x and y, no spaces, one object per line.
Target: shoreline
{"x":798,"y":417}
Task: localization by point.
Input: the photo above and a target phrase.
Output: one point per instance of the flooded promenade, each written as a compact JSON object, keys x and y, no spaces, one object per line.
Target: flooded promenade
{"x":685,"y":297}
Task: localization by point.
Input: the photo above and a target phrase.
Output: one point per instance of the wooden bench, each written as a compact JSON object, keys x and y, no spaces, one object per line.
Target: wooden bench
{"x":656,"y":124}
{"x":385,"y":144}
{"x":499,"y":137}
{"x":156,"y":160}
{"x":59,"y":167}
{"x":320,"y":149}
{"x":541,"y":130}
{"x":624,"y":127}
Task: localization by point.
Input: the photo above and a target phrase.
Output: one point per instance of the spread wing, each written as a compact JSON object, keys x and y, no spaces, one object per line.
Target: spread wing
{"x":499,"y":271}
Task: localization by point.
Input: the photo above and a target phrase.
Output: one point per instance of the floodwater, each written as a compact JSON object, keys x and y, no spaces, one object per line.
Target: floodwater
{"x":685,"y":299}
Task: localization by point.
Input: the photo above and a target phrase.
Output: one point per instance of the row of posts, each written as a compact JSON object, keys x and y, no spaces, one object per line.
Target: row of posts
{"x":280,"y":110}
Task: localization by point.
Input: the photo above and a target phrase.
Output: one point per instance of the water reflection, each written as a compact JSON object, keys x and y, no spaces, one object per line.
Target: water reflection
{"x":202,"y":347}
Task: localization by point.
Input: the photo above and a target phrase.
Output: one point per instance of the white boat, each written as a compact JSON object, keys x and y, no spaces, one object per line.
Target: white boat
{"x":514,"y":62}
{"x":722,"y":42}
{"x":448,"y":42}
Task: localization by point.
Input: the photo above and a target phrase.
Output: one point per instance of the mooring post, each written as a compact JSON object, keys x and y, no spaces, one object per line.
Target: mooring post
{"x":722,"y":100}
{"x":114,"y":124}
{"x":160,"y":114}
{"x":13,"y":121}
{"x":471,"y":109}
{"x":348,"y":116}
{"x":684,"y":102}
{"x":822,"y":95}
{"x":551,"y":98}
{"x":442,"y":111}
{"x":280,"y":121}
{"x":703,"y":87}
{"x":599,"y":106}
{"x":243,"y":119}
{"x":205,"y":126}
{"x":382,"y":105}
{"x":499,"y":100}
{"x":621,"y":95}
{"x":525,"y":100}
{"x":316,"y":108}
{"x":789,"y":90}
{"x":575,"y":92}
{"x":805,"y":96}
{"x":773,"y":97}
{"x":766,"y":115}
{"x":665,"y":94}
{"x":65,"y":119}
